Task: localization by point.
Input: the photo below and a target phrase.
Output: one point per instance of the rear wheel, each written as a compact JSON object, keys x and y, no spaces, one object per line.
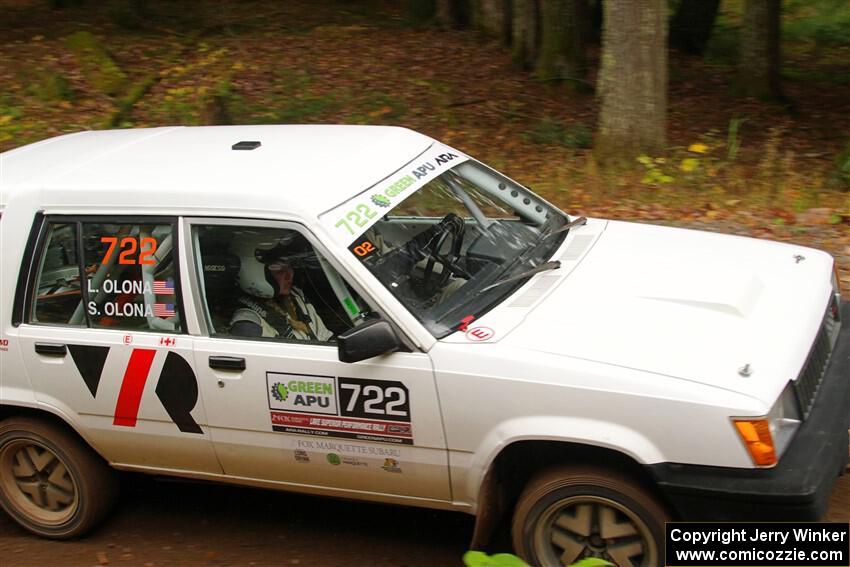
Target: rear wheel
{"x":51,"y":483}
{"x":568,"y":513}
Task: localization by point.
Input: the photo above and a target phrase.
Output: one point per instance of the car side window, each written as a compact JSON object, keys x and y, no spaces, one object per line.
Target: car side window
{"x":58,"y":294}
{"x":130,"y":280}
{"x":271,"y":283}
{"x":131,"y":276}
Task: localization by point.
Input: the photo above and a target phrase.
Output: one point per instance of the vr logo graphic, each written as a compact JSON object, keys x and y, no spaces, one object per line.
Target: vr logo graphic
{"x":177,"y":387}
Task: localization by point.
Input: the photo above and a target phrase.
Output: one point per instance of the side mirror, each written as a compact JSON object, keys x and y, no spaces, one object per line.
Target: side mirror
{"x":371,"y":338}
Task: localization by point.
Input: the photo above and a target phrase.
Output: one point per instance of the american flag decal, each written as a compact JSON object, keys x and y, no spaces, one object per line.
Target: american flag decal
{"x":163,"y":287}
{"x":163,"y":310}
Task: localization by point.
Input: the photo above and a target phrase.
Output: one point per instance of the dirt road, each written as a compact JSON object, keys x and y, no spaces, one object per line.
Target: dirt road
{"x":171,"y":524}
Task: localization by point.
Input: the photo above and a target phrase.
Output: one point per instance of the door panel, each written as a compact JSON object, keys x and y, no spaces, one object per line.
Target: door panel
{"x":135,"y":393}
{"x":102,"y":288}
{"x":297,"y":414}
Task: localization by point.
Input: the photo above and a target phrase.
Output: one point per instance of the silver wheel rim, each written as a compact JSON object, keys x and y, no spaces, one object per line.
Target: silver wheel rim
{"x":37,"y":483}
{"x":593,"y":526}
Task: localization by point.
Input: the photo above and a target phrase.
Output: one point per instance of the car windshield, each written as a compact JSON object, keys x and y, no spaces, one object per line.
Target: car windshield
{"x":458,"y":245}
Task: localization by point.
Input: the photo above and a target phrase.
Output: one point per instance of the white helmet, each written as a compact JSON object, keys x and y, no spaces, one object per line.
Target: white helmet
{"x":255,"y":251}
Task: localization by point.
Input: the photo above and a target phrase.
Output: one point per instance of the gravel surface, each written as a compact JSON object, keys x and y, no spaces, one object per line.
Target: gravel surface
{"x":172,"y":524}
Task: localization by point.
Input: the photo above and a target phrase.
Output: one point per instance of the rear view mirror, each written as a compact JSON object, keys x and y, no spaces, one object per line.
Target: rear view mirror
{"x":371,"y":338}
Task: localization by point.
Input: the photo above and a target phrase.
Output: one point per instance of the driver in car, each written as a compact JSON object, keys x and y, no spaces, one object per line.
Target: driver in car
{"x":271,"y":305}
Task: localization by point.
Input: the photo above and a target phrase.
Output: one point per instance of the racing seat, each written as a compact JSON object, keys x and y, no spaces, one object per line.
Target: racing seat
{"x":220,"y":288}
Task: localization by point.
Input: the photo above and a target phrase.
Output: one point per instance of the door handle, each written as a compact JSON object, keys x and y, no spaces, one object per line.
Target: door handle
{"x":227,"y":363}
{"x":51,"y":349}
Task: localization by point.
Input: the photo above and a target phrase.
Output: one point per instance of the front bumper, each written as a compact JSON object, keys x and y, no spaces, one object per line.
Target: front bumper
{"x":799,"y":486}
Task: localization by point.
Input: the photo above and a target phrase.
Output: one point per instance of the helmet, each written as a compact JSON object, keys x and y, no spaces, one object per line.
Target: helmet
{"x":255,"y":252}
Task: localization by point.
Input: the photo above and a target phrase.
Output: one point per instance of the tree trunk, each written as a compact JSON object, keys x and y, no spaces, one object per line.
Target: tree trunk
{"x":760,"y":53}
{"x":453,"y":14}
{"x":562,"y":30}
{"x":632,"y":80}
{"x":493,"y":18}
{"x":594,"y":22}
{"x":691,"y":27}
{"x":525,"y":32}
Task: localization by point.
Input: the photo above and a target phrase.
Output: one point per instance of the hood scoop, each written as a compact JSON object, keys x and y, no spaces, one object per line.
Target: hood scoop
{"x":733,"y":293}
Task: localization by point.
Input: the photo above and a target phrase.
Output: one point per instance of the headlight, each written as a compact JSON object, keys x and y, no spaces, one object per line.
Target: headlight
{"x":766,"y":438}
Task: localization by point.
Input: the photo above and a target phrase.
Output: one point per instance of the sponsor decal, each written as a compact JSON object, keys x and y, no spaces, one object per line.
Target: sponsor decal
{"x":176,"y":388}
{"x":4,"y":345}
{"x":167,"y":341}
{"x":323,"y":445}
{"x":301,"y":456}
{"x":348,"y":428}
{"x":479,"y":334}
{"x":355,"y":216}
{"x":337,"y":460}
{"x":391,"y":465}
{"x":302,"y":393}
{"x":351,"y":408}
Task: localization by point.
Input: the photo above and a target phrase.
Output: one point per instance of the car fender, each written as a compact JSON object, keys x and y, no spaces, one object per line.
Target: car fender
{"x":53,"y":407}
{"x":565,"y":429}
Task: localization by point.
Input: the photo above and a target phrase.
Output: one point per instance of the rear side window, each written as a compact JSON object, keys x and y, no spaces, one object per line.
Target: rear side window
{"x":58,"y":293}
{"x":129,"y":276}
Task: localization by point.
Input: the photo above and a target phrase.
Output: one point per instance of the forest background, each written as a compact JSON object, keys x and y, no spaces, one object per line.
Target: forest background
{"x":724,"y":115}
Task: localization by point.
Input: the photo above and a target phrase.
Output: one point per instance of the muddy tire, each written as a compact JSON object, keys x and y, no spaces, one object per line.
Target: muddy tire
{"x":51,"y":483}
{"x":570,"y":512}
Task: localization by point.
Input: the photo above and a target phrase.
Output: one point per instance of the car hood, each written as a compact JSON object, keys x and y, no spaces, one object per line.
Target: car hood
{"x":731,"y":312}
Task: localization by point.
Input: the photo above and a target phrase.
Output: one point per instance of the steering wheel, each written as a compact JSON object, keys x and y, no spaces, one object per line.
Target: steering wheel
{"x":451,"y":226}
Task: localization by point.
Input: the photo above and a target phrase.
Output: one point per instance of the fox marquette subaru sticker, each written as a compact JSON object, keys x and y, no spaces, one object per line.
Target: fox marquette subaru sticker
{"x":349,"y":408}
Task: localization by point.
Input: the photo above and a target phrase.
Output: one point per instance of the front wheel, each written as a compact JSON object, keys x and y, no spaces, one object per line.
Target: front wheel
{"x":51,"y":483}
{"x":567,"y":513}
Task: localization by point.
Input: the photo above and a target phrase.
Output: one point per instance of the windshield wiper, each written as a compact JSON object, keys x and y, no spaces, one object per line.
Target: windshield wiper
{"x":545,"y":267}
{"x":575,"y":222}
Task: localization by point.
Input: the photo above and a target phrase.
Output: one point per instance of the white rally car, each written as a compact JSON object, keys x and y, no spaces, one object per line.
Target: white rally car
{"x":367,"y":313}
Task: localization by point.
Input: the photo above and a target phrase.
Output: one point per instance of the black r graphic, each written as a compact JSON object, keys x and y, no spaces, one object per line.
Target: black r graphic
{"x":178,"y":391}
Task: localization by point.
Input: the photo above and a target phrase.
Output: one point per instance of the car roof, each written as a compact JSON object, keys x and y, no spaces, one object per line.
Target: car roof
{"x":301,"y":169}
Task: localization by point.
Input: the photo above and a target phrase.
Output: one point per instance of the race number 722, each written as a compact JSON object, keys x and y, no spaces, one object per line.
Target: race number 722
{"x":359,"y":217}
{"x":128,"y":247}
{"x":374,"y":399}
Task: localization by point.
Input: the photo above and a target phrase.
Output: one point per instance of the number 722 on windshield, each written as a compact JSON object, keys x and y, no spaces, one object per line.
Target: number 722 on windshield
{"x":358,"y":217}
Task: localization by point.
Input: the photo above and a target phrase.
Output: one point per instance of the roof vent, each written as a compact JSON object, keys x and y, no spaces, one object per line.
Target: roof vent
{"x":246,"y":145}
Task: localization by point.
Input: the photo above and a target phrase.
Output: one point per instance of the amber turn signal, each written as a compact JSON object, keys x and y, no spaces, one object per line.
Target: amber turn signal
{"x":758,"y":440}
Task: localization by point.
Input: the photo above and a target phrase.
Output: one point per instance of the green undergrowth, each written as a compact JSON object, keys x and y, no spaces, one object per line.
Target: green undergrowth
{"x":554,"y":132}
{"x":98,"y":67}
{"x":291,"y":98}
